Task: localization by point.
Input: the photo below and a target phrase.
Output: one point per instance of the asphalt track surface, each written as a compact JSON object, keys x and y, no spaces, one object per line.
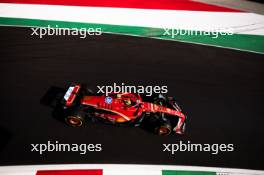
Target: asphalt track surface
{"x":221,"y":91}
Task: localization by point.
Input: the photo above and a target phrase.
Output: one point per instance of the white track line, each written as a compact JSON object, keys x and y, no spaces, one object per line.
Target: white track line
{"x":244,"y":23}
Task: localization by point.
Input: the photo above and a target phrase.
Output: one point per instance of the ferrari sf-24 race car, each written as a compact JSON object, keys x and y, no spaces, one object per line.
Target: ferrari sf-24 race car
{"x":158,"y":113}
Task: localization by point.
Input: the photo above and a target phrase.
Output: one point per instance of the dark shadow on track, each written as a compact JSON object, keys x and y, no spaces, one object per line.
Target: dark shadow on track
{"x":52,"y":99}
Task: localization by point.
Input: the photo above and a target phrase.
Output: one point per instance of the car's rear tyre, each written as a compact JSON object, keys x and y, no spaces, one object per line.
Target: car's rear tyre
{"x":163,"y":129}
{"x":158,"y":124}
{"x":75,"y":118}
{"x":86,"y":90}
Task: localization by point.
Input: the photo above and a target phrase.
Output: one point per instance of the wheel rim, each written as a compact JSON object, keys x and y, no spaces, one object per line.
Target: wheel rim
{"x":163,"y":130}
{"x":74,"y":121}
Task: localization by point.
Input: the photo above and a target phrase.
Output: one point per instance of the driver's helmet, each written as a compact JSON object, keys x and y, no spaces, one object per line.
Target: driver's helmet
{"x":127,"y":101}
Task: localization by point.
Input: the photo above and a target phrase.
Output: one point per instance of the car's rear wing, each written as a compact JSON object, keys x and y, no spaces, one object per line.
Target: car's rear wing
{"x":71,"y":94}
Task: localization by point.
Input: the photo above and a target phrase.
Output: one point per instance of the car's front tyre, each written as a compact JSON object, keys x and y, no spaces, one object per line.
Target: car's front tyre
{"x":163,"y":128}
{"x":157,"y":123}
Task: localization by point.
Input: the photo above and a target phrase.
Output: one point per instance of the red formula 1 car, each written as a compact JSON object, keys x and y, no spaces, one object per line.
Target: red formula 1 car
{"x":159,"y":114}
